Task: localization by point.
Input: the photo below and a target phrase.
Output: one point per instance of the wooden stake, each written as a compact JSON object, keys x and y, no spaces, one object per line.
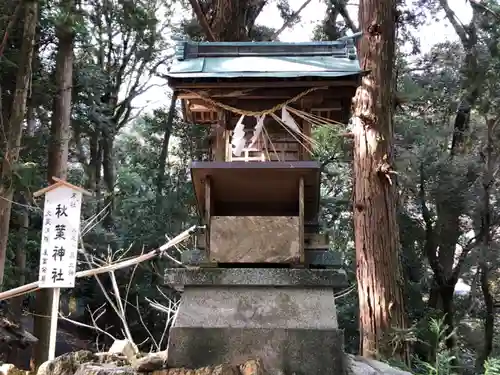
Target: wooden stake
{"x":54,"y":314}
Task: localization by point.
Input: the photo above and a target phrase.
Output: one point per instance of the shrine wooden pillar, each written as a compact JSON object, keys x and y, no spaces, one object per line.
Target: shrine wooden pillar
{"x":208,"y":214}
{"x":301,"y":221}
{"x":219,"y":150}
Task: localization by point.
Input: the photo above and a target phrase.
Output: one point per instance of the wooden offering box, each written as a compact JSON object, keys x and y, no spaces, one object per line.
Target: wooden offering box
{"x":255,"y":212}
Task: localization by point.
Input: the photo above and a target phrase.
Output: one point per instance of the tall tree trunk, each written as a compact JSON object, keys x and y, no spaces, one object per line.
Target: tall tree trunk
{"x":484,"y":262}
{"x":447,"y":229}
{"x":24,"y":199}
{"x":109,"y":176}
{"x":24,"y":224}
{"x":20,"y":263}
{"x":378,"y":268}
{"x":95,"y":164}
{"x":11,"y":154}
{"x":162,"y":162}
{"x":58,"y":158}
{"x":20,"y":258}
{"x":489,"y":319}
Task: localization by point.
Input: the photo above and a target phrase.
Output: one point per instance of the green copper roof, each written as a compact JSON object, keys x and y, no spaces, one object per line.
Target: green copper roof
{"x":265,"y":59}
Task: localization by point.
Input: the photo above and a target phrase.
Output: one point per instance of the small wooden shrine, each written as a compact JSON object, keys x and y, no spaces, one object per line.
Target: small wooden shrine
{"x":268,"y":287}
{"x":259,"y":191}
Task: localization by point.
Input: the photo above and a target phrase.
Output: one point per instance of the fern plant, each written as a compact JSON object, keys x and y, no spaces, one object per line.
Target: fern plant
{"x":492,"y":366}
{"x":443,"y":362}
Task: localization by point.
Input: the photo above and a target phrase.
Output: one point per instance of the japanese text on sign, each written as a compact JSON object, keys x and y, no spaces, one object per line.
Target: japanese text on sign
{"x":61,"y":226}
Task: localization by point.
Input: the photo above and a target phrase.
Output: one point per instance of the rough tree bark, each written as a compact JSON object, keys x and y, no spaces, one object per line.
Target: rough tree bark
{"x":227,"y":20}
{"x":58,"y":158}
{"x":380,"y":285}
{"x":14,"y":134}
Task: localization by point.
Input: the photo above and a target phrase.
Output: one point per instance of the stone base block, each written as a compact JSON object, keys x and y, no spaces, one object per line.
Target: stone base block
{"x":292,"y":329}
{"x":283,"y":351}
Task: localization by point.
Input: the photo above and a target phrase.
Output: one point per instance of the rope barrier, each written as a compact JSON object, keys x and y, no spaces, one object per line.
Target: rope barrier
{"x":309,"y":117}
{"x":255,"y":113}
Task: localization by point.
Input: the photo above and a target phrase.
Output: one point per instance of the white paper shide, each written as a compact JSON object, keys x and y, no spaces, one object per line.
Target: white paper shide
{"x":61,"y":226}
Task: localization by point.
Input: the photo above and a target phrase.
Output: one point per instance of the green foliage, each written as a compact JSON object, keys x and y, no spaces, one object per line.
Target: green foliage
{"x":443,"y":362}
{"x":492,"y":366}
{"x":444,"y":358}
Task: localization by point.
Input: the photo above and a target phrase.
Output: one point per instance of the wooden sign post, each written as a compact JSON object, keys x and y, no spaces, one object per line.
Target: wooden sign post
{"x":59,"y":245}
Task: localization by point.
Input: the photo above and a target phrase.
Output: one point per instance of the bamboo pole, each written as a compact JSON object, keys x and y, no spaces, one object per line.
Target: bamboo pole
{"x":108,"y":268}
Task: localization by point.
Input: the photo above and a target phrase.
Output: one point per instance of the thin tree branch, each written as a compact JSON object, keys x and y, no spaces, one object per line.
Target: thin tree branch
{"x":461,"y":259}
{"x":459,"y":28}
{"x":341,"y":8}
{"x":202,"y":20}
{"x":468,"y":247}
{"x":250,"y":21}
{"x":289,"y":21}
{"x":119,"y":304}
{"x":489,"y":10}
{"x":94,"y":327}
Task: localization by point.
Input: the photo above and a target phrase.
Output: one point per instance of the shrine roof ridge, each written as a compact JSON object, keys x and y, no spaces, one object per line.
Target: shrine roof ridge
{"x":190,"y":50}
{"x":265,"y":59}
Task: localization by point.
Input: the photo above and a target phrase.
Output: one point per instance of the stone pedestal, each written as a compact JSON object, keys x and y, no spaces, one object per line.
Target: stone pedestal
{"x":286,"y":317}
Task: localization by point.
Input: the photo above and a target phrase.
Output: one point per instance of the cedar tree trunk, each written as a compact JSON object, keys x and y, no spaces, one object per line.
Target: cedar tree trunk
{"x":58,"y":162}
{"x":15,"y":127}
{"x":380,"y":284}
